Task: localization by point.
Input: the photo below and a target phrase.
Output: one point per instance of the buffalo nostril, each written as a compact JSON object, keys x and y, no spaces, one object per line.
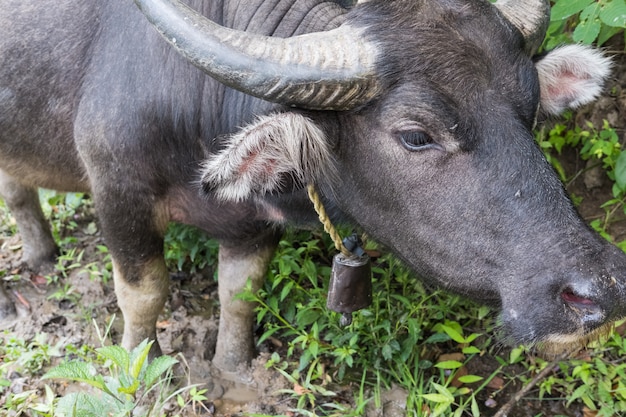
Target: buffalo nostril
{"x":588,"y":310}
{"x":570,"y":297}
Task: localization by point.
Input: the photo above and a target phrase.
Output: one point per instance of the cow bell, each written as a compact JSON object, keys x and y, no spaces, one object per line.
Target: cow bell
{"x":350,"y":287}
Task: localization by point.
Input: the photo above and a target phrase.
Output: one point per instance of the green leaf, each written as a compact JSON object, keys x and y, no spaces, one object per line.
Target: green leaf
{"x":129,"y":389}
{"x":475,"y":409}
{"x":158,"y":367}
{"x":387,"y":352}
{"x":267,"y":333}
{"x":471,"y":350}
{"x":76,"y":371}
{"x":614,"y":14}
{"x":620,"y":171}
{"x":138,"y":357}
{"x":454,"y":335}
{"x":516,"y":354}
{"x":449,"y":365}
{"x":306,"y":317}
{"x":81,"y":404}
{"x":116,"y":354}
{"x":437,"y":398}
{"x":587,"y":31}
{"x":444,"y":391}
{"x":566,"y":8}
{"x":286,"y":290}
{"x":438,"y":338}
{"x":470,"y":379}
{"x":606,"y":33}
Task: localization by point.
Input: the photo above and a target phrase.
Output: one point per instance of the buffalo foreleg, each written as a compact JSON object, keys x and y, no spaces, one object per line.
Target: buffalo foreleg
{"x":133,"y":222}
{"x":237,"y":265}
{"x":141,"y":301}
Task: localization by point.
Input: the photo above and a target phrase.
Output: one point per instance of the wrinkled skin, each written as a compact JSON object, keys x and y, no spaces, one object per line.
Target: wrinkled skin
{"x":477,"y":210}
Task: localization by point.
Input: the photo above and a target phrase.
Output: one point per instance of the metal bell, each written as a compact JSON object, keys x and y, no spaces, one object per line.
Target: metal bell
{"x":350,"y":287}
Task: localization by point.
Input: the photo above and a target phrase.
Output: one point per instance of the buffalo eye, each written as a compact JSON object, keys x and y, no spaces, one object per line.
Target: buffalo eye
{"x":416,"y":140}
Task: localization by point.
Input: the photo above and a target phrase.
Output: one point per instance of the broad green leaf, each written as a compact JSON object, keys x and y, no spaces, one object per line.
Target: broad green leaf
{"x":116,"y":354}
{"x":614,"y":13}
{"x":454,"y":335}
{"x":515,"y":354}
{"x":74,"y":200}
{"x":156,"y":368}
{"x":307,"y":316}
{"x":620,"y":171}
{"x":81,"y":404}
{"x":566,"y":8}
{"x":587,"y":31}
{"x":138,"y":357}
{"x":387,"y":352}
{"x":286,"y":290}
{"x":76,"y":371}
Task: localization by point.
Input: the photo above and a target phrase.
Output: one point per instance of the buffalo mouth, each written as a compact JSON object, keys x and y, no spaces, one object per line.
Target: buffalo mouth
{"x":572,"y":316}
{"x":557,"y":345}
{"x":591,"y":322}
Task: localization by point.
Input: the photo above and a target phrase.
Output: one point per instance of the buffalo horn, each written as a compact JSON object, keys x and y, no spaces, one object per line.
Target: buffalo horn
{"x":531,"y":17}
{"x":332,"y":70}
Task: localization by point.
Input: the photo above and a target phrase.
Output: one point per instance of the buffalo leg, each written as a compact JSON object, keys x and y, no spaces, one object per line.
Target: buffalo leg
{"x":141,"y":302}
{"x":235,"y":342}
{"x":38,"y":247}
{"x":133,"y":226}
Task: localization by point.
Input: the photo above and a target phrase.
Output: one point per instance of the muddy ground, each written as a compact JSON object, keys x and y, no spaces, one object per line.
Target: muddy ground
{"x":189,"y":324}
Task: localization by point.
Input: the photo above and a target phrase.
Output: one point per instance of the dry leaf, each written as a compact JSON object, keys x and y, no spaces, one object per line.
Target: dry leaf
{"x":38,"y":279}
{"x":299,"y":389}
{"x":496,"y":383}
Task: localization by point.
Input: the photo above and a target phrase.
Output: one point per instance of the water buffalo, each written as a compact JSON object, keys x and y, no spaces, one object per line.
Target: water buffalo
{"x":413,"y":118}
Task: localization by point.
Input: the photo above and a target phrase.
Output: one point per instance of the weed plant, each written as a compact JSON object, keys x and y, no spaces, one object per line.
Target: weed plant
{"x":585,"y":21}
{"x":393,"y":342}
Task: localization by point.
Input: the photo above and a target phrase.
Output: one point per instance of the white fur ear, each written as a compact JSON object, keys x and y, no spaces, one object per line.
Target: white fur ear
{"x":261,"y":156}
{"x":571,"y":76}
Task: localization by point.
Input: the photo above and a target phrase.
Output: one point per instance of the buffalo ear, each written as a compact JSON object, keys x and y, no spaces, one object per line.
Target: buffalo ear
{"x":266,"y":155}
{"x":571,"y":76}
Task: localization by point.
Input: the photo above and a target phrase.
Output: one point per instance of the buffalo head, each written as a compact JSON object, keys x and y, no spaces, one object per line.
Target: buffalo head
{"x":414,"y":118}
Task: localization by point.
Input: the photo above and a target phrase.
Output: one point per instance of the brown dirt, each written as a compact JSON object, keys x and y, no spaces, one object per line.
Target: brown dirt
{"x":189,"y":324}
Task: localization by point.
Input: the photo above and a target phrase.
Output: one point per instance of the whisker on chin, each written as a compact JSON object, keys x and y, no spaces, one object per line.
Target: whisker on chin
{"x":554,"y":348}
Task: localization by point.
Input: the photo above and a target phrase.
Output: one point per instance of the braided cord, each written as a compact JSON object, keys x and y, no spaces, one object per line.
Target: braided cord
{"x":328,"y":225}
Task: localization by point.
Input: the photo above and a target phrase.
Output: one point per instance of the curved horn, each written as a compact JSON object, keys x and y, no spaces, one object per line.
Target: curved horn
{"x":531,"y":17}
{"x":331,"y":70}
